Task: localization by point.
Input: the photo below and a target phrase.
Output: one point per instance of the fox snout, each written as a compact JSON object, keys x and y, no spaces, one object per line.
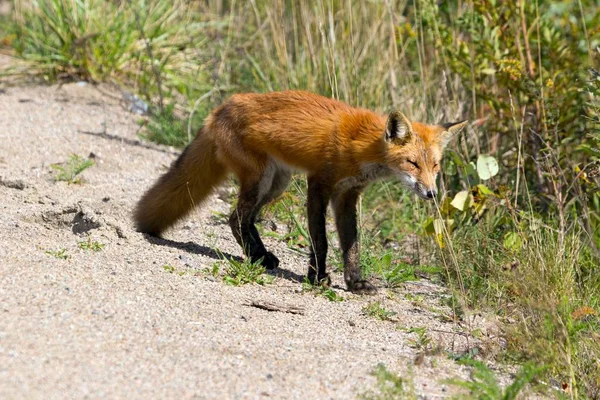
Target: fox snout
{"x":427,"y":193}
{"x":424,"y":191}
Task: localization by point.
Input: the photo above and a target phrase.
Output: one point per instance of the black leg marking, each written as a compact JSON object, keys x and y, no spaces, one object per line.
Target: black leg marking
{"x":318,"y":198}
{"x":344,"y":206}
{"x":244,"y":231}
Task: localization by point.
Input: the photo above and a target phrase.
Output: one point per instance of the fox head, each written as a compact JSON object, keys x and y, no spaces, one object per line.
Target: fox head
{"x":414,"y":151}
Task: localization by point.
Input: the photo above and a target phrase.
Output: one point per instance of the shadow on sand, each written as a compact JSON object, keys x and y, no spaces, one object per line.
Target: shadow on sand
{"x":194,"y":248}
{"x":130,"y":142}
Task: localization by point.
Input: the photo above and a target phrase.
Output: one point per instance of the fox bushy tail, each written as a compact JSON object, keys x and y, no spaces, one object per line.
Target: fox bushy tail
{"x":188,"y":182}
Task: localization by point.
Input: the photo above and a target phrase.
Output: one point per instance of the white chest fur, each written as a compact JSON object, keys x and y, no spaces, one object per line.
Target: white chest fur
{"x":368,"y":173}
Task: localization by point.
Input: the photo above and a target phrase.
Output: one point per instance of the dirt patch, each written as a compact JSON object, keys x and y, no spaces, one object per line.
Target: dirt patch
{"x":143,"y":317}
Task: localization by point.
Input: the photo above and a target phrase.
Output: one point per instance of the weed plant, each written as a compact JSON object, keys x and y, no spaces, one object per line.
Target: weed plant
{"x":69,"y":172}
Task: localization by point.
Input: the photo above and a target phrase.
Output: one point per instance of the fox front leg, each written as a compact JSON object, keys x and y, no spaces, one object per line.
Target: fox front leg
{"x":344,"y":206}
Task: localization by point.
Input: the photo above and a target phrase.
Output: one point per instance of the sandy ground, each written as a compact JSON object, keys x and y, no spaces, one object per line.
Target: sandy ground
{"x":115,"y":324}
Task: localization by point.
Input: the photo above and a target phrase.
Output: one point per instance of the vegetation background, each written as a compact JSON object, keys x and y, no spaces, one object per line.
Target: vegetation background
{"x":516,"y":229}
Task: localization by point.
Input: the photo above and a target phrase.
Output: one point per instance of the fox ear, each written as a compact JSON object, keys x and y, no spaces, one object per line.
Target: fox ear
{"x":398,"y":127}
{"x":450,"y":131}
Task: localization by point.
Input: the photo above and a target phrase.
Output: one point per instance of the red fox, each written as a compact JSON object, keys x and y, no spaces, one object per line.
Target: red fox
{"x":262,"y":138}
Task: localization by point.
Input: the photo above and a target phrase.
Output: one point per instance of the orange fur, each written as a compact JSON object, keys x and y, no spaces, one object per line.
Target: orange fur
{"x":189,"y":180}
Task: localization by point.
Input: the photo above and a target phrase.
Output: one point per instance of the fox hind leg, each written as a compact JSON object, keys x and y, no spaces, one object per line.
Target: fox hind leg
{"x":318,"y":197}
{"x":281,"y":180}
{"x":243,"y":228}
{"x":253,"y":196}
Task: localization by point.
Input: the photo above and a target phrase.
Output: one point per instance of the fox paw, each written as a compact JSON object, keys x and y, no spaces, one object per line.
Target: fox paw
{"x":362,"y":287}
{"x":269,"y":261}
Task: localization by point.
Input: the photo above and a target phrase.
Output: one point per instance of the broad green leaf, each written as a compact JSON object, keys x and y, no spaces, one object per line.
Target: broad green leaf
{"x":429,"y":228}
{"x":484,"y":190}
{"x":471,"y":169}
{"x":487,"y":166}
{"x":455,"y":157}
{"x":450,"y":168}
{"x":512,"y":241}
{"x":386,"y":261}
{"x":438,"y":226}
{"x":461,"y":200}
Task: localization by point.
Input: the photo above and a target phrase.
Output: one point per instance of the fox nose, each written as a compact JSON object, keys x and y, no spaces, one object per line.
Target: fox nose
{"x":431,"y":194}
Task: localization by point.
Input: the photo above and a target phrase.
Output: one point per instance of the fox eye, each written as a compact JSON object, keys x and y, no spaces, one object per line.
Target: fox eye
{"x":414,"y":164}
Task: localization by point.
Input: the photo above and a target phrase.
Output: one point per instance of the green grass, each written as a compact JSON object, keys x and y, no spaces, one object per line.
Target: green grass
{"x":214,"y":270}
{"x":165,"y":127}
{"x":71,"y":169}
{"x":90,"y":244}
{"x":422,"y":340}
{"x":153,"y":47}
{"x":5,"y":25}
{"x":169,"y":268}
{"x":393,"y":272}
{"x":244,"y":272}
{"x":484,"y":384}
{"x":389,"y":386}
{"x":172,"y":270}
{"x":377,"y":310}
{"x":320,"y":290}
{"x":61,"y":254}
{"x":547,"y":292}
{"x":290,"y":211}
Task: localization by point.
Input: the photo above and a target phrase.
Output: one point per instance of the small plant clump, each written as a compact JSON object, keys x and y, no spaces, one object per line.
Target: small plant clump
{"x":169,"y":268}
{"x":60,"y":254}
{"x":166,"y":127}
{"x":321,"y":290}
{"x":172,"y":270}
{"x":377,"y":310}
{"x":214,"y":270}
{"x":389,"y":386}
{"x":243,"y":272}
{"x":72,"y":168}
{"x":90,"y":244}
{"x":484,"y":384}
{"x":423,"y":341}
